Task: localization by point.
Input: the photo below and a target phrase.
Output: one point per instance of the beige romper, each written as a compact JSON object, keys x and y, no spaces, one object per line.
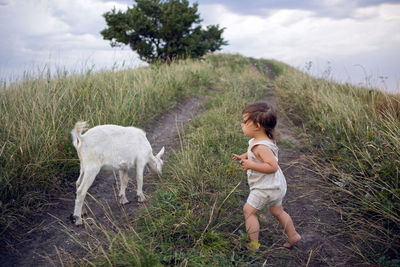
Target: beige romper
{"x":266,"y":189}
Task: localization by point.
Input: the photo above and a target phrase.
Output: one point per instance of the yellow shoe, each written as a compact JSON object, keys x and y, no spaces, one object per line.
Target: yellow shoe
{"x":254,"y":246}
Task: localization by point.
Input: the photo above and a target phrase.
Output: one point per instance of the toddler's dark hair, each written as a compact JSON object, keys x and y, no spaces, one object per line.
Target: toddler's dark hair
{"x":264,"y":114}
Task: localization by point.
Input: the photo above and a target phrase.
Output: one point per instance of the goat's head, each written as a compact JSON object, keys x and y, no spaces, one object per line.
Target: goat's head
{"x":159,"y":161}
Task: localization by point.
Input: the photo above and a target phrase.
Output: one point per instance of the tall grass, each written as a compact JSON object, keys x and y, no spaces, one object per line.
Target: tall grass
{"x":357,"y":133}
{"x":37,"y":159}
{"x":195,"y":218}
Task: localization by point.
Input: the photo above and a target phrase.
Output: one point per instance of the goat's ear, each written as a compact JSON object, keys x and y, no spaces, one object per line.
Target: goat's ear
{"x":161,"y":153}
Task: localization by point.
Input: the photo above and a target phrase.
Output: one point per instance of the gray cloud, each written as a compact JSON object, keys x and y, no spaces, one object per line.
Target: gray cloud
{"x":3,"y":2}
{"x":331,"y":9}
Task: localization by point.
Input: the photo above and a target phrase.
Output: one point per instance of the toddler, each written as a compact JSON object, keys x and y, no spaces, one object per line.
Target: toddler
{"x":265,"y":178}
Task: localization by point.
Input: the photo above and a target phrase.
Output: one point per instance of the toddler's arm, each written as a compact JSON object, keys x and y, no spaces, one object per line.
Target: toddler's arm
{"x":268,"y":163}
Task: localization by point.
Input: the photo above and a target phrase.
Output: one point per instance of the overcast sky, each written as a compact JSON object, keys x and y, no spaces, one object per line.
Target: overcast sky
{"x":355,"y":41}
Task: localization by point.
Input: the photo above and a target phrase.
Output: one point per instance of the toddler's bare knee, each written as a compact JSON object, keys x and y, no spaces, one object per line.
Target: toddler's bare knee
{"x":276,"y":211}
{"x":249,"y":210}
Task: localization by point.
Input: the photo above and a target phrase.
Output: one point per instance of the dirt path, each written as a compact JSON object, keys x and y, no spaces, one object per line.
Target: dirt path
{"x":309,"y":204}
{"x":53,"y":234}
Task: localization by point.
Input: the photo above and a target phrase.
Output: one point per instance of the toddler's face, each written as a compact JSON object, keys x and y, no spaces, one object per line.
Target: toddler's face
{"x":248,"y":126}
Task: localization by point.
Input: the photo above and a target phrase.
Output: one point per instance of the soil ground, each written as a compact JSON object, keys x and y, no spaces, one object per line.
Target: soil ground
{"x":307,"y":201}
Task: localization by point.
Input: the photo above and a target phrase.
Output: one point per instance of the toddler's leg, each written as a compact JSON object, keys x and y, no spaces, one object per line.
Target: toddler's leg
{"x":286,"y":221}
{"x":252,"y":225}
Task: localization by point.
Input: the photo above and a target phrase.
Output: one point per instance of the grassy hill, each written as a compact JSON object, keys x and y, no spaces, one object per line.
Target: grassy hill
{"x":194,"y":216}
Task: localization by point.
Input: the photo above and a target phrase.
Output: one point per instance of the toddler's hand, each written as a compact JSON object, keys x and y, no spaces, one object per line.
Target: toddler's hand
{"x":247,"y":163}
{"x":236,"y":157}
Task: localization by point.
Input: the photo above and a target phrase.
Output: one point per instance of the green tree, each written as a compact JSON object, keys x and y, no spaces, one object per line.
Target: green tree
{"x":162,"y":30}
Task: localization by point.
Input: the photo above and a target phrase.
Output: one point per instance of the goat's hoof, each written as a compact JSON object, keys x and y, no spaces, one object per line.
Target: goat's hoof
{"x":123,"y":202}
{"x":75,"y":220}
{"x":141,"y":197}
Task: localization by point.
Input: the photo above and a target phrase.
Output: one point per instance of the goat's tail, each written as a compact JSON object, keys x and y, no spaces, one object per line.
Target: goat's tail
{"x":76,"y":133}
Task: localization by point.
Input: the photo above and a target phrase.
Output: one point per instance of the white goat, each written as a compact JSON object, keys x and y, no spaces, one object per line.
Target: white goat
{"x":115,"y":148}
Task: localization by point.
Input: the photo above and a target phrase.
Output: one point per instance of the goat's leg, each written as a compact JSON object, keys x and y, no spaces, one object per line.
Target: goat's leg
{"x":123,"y":178}
{"x":87,"y":180}
{"x":139,"y":180}
{"x":79,"y":181}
